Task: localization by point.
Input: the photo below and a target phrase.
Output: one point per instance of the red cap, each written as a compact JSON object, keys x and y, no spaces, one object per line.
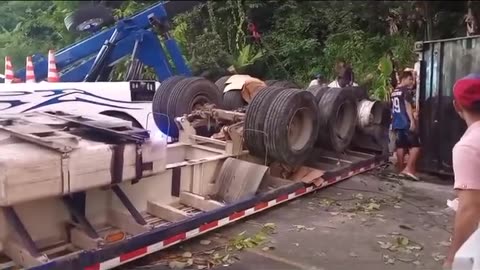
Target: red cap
{"x":466,"y":91}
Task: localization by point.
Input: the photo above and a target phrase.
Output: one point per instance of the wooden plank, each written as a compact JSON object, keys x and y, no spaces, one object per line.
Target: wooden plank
{"x":198,"y":202}
{"x":166,"y":212}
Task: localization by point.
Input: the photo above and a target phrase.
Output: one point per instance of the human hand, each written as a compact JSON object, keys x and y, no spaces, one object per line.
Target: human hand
{"x":412,"y":126}
{"x":415,"y":115}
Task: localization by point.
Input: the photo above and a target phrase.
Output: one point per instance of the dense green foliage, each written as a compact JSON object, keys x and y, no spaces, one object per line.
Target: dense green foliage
{"x":299,"y":38}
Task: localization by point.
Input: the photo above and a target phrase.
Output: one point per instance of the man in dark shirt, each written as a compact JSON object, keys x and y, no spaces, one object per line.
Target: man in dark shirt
{"x":403,"y":124}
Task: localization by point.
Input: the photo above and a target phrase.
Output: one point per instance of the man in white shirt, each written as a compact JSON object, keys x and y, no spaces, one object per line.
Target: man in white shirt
{"x":344,"y":78}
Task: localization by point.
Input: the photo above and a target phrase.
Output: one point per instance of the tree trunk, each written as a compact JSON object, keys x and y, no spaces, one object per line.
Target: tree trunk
{"x":427,"y":13}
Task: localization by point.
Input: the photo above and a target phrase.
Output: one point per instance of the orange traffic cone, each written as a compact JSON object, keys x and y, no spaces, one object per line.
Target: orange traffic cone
{"x":9,"y":76}
{"x":29,"y":73}
{"x":52,"y":68}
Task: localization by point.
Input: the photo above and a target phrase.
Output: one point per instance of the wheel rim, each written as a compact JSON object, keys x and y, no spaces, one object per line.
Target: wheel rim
{"x":87,"y":25}
{"x":198,"y":102}
{"x":300,"y":129}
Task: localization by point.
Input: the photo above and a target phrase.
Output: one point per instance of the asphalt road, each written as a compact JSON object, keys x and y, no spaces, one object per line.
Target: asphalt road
{"x":366,"y":222}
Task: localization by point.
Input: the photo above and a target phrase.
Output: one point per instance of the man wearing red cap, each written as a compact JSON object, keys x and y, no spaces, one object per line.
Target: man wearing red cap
{"x":466,"y":163}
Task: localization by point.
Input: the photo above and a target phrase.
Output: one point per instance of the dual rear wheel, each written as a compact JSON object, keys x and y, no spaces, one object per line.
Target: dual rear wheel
{"x":281,"y":123}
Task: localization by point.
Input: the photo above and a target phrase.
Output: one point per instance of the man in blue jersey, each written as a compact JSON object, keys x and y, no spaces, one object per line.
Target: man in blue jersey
{"x":404,"y":126}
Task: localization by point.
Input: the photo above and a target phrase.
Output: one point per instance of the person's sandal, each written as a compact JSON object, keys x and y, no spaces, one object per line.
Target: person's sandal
{"x":410,"y":176}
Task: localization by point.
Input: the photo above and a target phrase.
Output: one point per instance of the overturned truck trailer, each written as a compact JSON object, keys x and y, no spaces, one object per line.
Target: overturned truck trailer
{"x":93,"y":192}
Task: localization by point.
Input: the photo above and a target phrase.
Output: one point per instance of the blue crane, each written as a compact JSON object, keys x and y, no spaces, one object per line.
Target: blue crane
{"x":140,"y":36}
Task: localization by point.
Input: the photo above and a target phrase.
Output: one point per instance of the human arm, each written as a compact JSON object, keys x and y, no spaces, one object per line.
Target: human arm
{"x":466,"y":161}
{"x":409,"y":108}
{"x":467,"y":218}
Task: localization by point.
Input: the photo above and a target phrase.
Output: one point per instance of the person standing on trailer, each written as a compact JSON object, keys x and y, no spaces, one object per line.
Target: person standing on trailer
{"x":466,"y":163}
{"x":404,"y":127}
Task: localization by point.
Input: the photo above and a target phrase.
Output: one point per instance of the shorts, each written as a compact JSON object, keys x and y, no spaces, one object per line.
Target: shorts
{"x":405,"y":138}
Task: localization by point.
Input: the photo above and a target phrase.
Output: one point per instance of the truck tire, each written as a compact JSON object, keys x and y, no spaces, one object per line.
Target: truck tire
{"x":220,"y":83}
{"x":233,"y":100}
{"x":160,"y":102}
{"x":337,"y":119}
{"x":292,"y":126}
{"x":254,"y":131}
{"x":318,"y":91}
{"x":182,"y":98}
{"x":83,"y":18}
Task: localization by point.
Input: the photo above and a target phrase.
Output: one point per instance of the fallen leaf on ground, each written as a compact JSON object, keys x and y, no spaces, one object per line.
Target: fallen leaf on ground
{"x":417,"y":263}
{"x":405,"y":227}
{"x":405,"y":260}
{"x":402,"y":240}
{"x":303,"y":227}
{"x":334,"y":213}
{"x":327,"y":202}
{"x":438,"y":257}
{"x":209,"y":252}
{"x":353,"y":254}
{"x":187,"y":254}
{"x":205,"y":242}
{"x":384,"y":245}
{"x":269,"y":225}
{"x":200,"y":267}
{"x":177,"y":265}
{"x":380,"y":236}
{"x":372,"y":206}
{"x":444,"y":244}
{"x":359,"y":196}
{"x":388,"y":260}
{"x":415,"y":247}
{"x":267,"y":248}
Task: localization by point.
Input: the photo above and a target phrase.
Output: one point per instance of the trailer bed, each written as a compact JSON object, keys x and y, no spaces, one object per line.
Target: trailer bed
{"x":123,"y":221}
{"x":172,"y":233}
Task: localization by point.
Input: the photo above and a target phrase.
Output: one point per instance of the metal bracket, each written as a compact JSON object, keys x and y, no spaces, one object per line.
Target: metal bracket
{"x":129,"y":205}
{"x":16,"y":224}
{"x":81,"y":219}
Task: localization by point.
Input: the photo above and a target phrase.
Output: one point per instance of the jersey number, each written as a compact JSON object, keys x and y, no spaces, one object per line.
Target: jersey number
{"x":396,"y":105}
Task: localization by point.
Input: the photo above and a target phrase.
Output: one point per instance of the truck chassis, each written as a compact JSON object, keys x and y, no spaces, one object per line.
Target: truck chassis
{"x":192,"y":165}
